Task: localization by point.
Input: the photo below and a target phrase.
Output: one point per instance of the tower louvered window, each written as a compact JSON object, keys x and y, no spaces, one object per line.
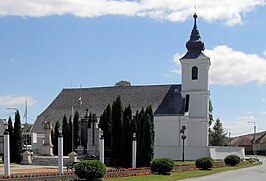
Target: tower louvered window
{"x":195,"y":73}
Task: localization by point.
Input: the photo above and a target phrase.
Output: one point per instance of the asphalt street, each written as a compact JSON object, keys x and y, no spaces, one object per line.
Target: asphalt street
{"x":257,"y":173}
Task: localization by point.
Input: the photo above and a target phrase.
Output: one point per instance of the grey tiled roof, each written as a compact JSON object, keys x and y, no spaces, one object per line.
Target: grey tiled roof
{"x":164,"y":99}
{"x":2,"y":127}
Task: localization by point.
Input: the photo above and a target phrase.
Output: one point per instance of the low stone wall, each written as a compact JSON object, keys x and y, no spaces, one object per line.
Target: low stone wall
{"x":220,"y":152}
{"x":194,"y":152}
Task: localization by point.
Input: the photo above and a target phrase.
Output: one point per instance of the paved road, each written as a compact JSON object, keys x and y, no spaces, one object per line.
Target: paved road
{"x":257,"y":173}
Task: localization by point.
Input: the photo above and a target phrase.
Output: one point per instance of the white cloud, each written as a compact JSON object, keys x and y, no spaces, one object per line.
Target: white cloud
{"x":231,"y":67}
{"x":13,"y":101}
{"x":171,"y":10}
{"x":264,"y":53}
{"x":264,"y":113}
{"x":235,"y":67}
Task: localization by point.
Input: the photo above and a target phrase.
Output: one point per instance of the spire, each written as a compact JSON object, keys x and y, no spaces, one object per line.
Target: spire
{"x":195,"y":44}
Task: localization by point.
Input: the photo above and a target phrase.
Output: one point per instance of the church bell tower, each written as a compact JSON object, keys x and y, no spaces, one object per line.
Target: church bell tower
{"x":195,"y":77}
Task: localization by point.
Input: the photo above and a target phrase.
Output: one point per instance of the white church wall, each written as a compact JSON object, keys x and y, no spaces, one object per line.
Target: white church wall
{"x":167,"y":130}
{"x":175,"y":152}
{"x":220,"y":152}
{"x":197,"y":131}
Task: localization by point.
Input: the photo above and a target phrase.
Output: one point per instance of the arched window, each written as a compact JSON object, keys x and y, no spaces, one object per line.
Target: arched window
{"x":195,"y":73}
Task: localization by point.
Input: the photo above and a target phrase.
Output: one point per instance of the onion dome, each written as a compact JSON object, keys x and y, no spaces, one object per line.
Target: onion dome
{"x":195,"y":43}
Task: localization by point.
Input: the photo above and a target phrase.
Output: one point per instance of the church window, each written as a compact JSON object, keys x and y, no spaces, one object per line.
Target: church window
{"x":195,"y":73}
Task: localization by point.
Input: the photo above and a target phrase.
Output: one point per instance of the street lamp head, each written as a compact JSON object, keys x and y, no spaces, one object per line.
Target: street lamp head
{"x":134,"y":135}
{"x":60,"y":130}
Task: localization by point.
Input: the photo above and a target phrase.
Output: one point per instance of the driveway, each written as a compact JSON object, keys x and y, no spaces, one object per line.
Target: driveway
{"x":257,"y":173}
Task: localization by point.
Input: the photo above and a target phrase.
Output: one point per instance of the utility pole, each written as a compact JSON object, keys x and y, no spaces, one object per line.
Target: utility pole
{"x":254,"y":139}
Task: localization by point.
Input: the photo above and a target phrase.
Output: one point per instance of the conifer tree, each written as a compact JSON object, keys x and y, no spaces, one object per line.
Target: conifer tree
{"x":65,"y":129}
{"x":140,"y":137}
{"x":56,"y":133}
{"x":69,"y":136}
{"x":126,"y":138}
{"x":17,"y":139}
{"x":117,"y":122}
{"x":217,"y":135}
{"x":148,"y":145}
{"x":11,"y":138}
{"x":76,"y":130}
{"x":105,"y":125}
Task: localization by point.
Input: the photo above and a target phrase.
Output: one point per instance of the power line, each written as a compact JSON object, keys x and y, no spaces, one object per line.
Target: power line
{"x":239,"y":134}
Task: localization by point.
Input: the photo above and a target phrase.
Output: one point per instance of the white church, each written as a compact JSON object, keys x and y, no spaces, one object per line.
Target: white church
{"x":180,"y":110}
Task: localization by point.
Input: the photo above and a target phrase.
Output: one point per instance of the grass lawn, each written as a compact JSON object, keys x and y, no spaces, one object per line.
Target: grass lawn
{"x":182,"y":175}
{"x":185,"y":162}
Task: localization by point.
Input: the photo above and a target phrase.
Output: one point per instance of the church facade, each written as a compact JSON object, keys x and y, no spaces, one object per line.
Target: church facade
{"x":181,"y":111}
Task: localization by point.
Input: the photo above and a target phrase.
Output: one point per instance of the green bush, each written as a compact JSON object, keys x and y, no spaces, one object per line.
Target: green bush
{"x":162,"y":165}
{"x":90,"y":169}
{"x":204,"y":163}
{"x":232,"y":160}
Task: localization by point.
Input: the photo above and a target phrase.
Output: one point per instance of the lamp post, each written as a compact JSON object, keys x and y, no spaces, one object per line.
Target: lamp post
{"x":134,"y":151}
{"x":183,"y":138}
{"x":6,"y":150}
{"x":254,"y":139}
{"x":60,"y":151}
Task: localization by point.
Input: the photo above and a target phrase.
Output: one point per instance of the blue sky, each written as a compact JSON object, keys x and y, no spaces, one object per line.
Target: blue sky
{"x":48,"y":46}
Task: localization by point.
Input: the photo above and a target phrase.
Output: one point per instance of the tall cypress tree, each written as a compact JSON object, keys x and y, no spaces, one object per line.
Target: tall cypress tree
{"x":17,"y":139}
{"x":11,"y":138}
{"x":105,"y":125}
{"x":65,"y":133}
{"x":76,"y":130}
{"x":150,"y":113}
{"x":56,"y":133}
{"x":117,"y":122}
{"x":148,"y":145}
{"x":69,"y":136}
{"x":126,"y":138}
{"x":140,"y":137}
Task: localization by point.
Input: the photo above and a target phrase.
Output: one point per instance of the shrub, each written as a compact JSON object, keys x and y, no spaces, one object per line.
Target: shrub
{"x":162,"y":165}
{"x":204,"y":163}
{"x":90,"y":169}
{"x":232,"y":160}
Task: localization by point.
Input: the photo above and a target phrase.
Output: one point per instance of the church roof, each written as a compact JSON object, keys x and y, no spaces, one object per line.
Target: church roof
{"x":195,"y":45}
{"x":2,"y":127}
{"x":164,"y":99}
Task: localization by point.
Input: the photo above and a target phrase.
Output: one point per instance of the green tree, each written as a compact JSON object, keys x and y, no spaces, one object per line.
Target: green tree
{"x":17,"y":139}
{"x":65,"y":129}
{"x":76,"y":130}
{"x":123,"y":83}
{"x":217,"y":134}
{"x":105,"y":125}
{"x":210,"y":112}
{"x":11,"y":138}
{"x":145,"y":136}
{"x":117,"y":122}
{"x":126,"y":138}
{"x":56,"y":133}
{"x":69,"y":136}
{"x":140,"y":137}
{"x":148,"y":145}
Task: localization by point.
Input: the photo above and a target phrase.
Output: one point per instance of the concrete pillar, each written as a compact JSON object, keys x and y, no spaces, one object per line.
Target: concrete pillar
{"x":102,"y":149}
{"x":60,"y":154}
{"x":134,"y":151}
{"x":6,"y":153}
